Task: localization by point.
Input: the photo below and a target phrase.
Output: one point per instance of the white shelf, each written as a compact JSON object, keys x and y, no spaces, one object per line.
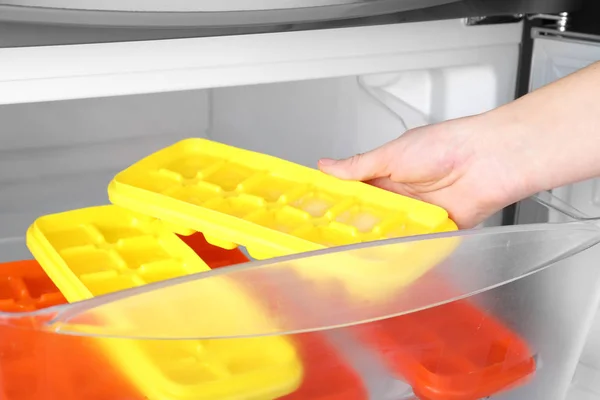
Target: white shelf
{"x":48,"y":73}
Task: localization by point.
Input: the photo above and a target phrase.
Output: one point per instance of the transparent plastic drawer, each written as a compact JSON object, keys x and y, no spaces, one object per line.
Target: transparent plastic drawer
{"x":494,"y":319}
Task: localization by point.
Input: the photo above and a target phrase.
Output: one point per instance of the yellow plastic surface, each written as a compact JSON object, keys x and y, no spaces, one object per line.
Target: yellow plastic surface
{"x":271,"y":206}
{"x":99,"y":250}
{"x":380,"y":273}
{"x":275,"y":207}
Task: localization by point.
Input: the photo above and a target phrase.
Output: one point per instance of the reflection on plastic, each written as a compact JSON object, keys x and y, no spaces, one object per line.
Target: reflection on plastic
{"x":176,"y":309}
{"x":326,"y":374}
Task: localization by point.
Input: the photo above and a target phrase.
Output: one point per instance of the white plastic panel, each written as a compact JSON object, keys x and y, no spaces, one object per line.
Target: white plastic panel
{"x":585,"y":381}
{"x":302,"y":121}
{"x":555,"y":58}
{"x":79,"y":71}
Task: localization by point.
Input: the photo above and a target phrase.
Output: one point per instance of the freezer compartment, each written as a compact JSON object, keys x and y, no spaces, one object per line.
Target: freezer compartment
{"x":428,"y":340}
{"x":58,"y":156}
{"x":65,"y":157}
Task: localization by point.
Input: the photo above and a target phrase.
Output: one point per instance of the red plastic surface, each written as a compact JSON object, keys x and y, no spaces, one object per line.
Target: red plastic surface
{"x":327,"y":376}
{"x":36,"y":365}
{"x":213,"y":256}
{"x":451,"y":352}
{"x":24,"y":286}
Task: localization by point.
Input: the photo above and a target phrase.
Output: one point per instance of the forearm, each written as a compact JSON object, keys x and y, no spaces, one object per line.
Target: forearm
{"x":552,"y":133}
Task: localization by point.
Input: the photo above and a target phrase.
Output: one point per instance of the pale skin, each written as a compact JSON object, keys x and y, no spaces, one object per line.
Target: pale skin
{"x":475,"y":166}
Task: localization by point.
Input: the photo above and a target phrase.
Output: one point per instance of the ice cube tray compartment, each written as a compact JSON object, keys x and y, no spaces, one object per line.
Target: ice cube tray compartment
{"x":271,"y":206}
{"x":100,"y":250}
{"x":249,"y":368}
{"x":25,"y":287}
{"x":451,"y":352}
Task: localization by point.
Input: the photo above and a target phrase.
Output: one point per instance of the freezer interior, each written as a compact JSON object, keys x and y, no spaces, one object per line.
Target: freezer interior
{"x":61,"y":155}
{"x":502,"y":327}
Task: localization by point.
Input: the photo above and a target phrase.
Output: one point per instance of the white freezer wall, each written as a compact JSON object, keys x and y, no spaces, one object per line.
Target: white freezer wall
{"x":57,"y":156}
{"x":305,"y":120}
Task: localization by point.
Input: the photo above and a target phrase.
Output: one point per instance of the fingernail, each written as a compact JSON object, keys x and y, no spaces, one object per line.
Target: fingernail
{"x":327,"y":161}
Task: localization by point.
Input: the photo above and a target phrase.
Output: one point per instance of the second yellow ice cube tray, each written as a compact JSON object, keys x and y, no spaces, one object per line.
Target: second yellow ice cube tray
{"x":270,"y":206}
{"x":99,"y":250}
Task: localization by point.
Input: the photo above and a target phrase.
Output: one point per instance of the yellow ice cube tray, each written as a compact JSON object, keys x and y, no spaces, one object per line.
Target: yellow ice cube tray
{"x":270,"y":206}
{"x":99,"y":250}
{"x":275,"y":207}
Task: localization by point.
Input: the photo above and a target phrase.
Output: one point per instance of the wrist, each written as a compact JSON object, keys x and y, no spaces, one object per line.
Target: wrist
{"x":507,"y":150}
{"x":553,"y":132}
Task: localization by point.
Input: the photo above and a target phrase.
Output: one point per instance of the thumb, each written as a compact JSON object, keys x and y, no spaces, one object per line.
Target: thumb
{"x":361,"y":167}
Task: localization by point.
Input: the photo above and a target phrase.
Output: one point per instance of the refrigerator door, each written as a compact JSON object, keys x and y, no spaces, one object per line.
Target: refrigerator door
{"x":194,"y":13}
{"x":556,"y":55}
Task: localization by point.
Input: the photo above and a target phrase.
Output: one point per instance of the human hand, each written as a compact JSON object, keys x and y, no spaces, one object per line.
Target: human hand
{"x":461,"y":165}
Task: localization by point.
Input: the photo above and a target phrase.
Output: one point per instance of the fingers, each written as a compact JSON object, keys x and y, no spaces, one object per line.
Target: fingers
{"x":361,"y":167}
{"x":391,"y":186}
